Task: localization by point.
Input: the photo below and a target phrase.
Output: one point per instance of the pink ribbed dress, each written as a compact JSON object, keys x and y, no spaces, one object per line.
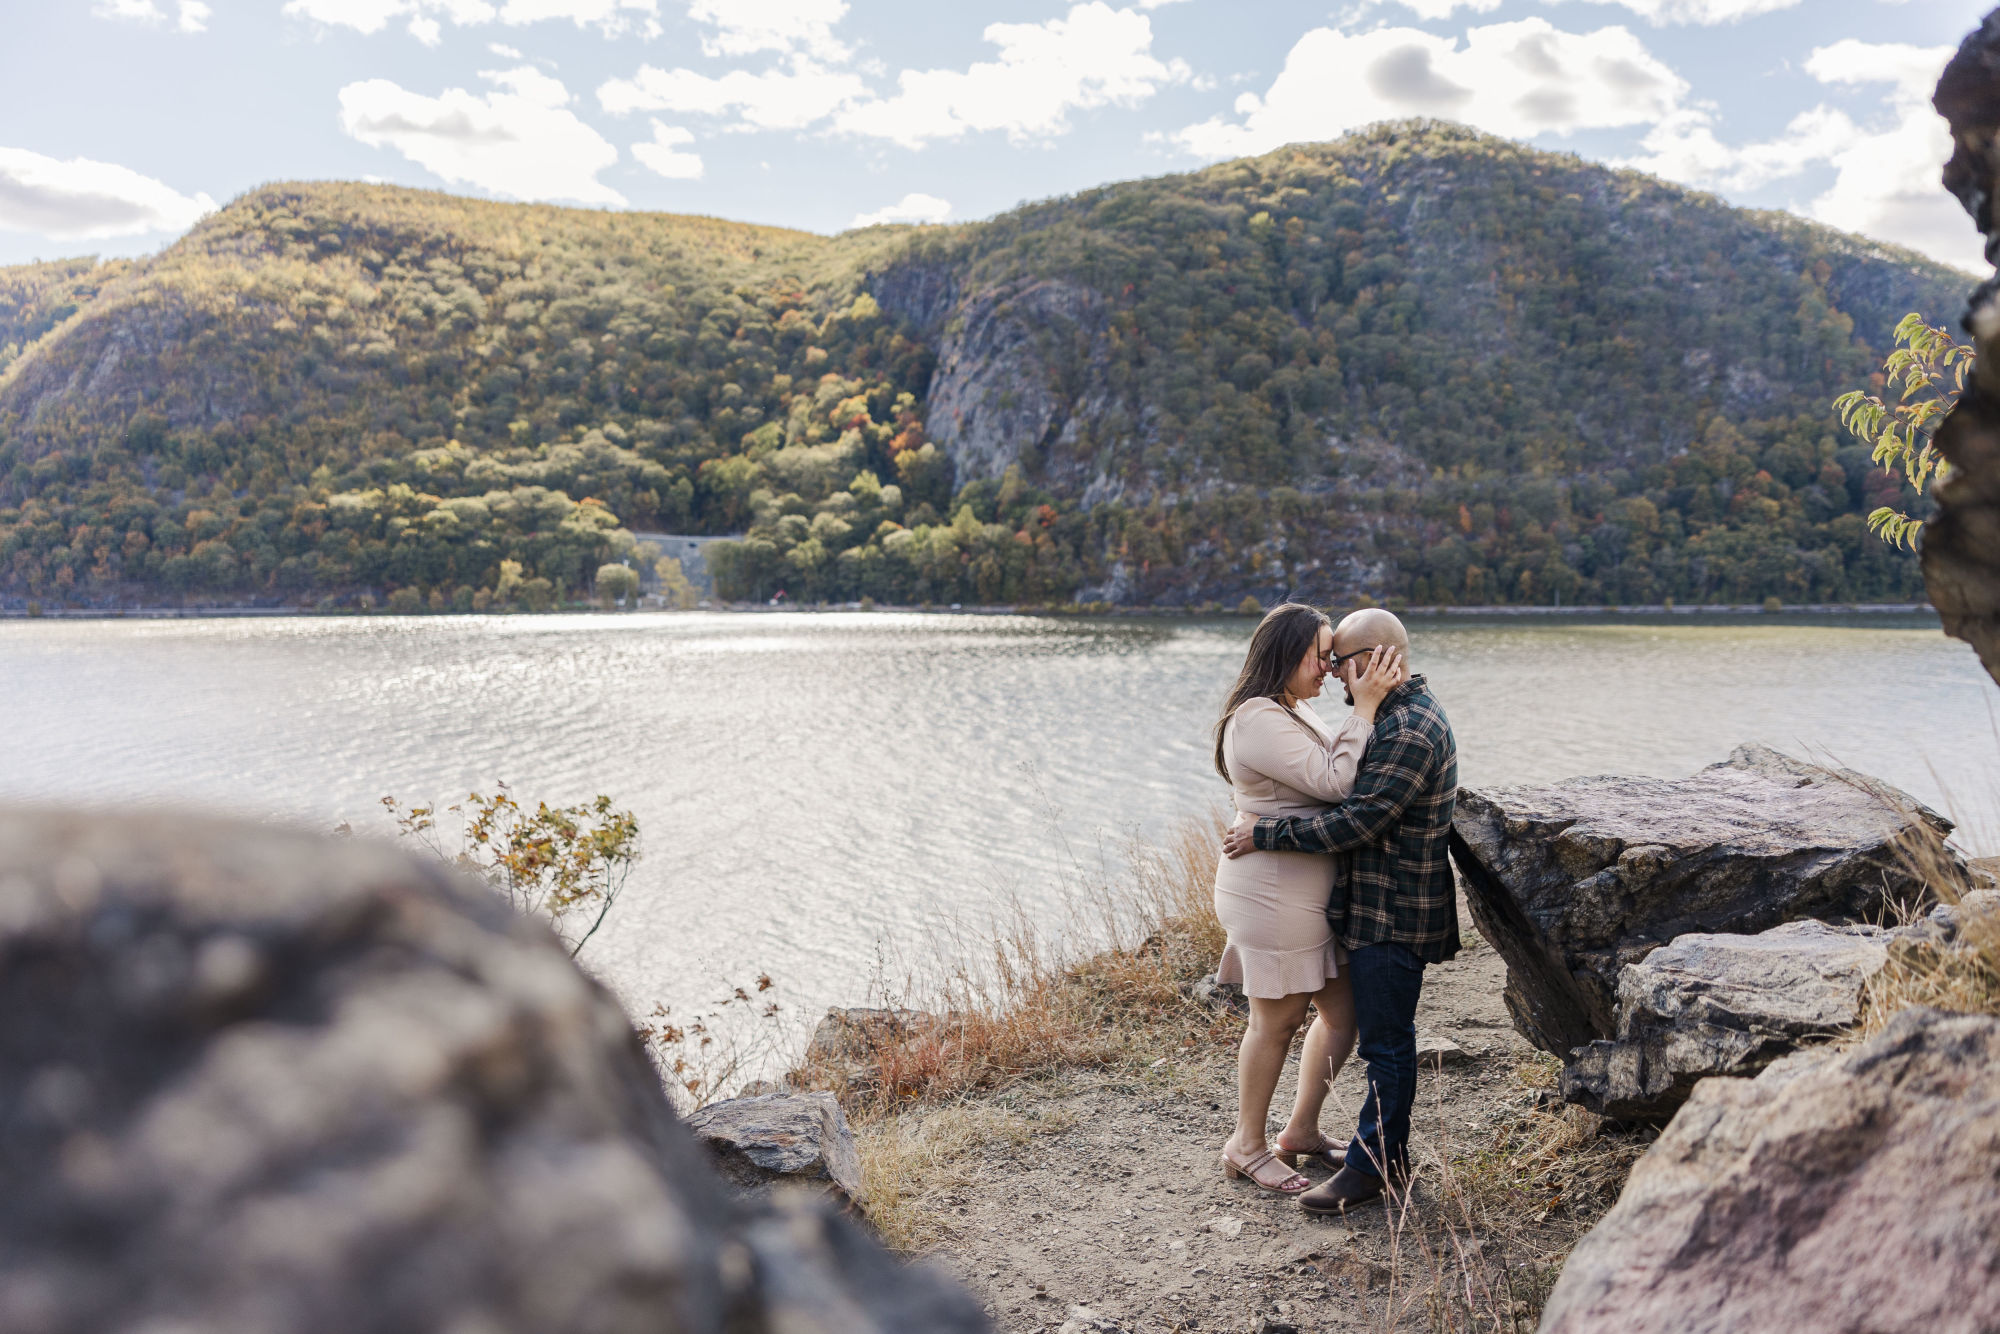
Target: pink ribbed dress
{"x":1273,"y":904}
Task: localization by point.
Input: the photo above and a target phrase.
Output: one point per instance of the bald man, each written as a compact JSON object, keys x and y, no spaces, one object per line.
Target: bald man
{"x":1400,"y":911}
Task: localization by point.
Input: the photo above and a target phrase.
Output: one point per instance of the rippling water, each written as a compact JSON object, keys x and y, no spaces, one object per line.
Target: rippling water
{"x":812,"y":785}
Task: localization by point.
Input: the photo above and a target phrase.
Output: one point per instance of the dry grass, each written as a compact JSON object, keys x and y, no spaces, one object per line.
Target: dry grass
{"x":1961,"y":975}
{"x":907,"y":1157}
{"x":1037,"y":1003}
{"x":1481,"y":1249}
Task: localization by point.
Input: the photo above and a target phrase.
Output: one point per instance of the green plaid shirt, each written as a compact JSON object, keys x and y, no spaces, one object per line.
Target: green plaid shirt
{"x":1397,"y":828}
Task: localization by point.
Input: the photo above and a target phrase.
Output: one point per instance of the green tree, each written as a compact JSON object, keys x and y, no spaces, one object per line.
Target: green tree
{"x":1925,"y":374}
{"x":617,"y":583}
{"x":674,"y":585}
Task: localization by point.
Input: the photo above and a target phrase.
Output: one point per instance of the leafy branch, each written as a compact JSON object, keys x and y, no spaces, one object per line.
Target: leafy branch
{"x":553,"y":862}
{"x":1926,"y":373}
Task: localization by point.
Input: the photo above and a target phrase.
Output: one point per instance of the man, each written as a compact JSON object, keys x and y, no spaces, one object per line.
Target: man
{"x":1400,"y":911}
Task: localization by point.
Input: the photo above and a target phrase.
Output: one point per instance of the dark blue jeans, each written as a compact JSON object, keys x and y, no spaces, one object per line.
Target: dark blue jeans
{"x":1387,"y":979}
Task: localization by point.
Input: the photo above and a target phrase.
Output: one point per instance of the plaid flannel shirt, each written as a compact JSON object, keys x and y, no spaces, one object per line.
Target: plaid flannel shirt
{"x":1396,"y":828}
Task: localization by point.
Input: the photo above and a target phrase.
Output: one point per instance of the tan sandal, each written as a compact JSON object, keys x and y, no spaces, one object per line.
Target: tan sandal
{"x":1291,"y":1184}
{"x":1328,"y":1155}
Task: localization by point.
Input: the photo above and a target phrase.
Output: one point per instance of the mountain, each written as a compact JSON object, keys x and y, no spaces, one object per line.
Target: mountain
{"x":1417,"y":361}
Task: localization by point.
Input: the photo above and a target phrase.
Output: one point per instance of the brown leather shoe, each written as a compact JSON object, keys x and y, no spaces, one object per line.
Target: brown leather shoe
{"x":1340,"y":1192}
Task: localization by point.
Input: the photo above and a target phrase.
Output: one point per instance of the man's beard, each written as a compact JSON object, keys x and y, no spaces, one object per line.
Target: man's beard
{"x":1347,"y":691}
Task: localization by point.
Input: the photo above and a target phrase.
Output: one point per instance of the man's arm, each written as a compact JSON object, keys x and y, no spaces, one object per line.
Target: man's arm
{"x":1392,"y":776}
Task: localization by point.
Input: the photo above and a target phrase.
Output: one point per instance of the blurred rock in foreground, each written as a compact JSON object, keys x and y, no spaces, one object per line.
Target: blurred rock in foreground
{"x":1851,"y":1192}
{"x":1961,"y":543}
{"x":253,"y":1080}
{"x":1573,"y":881}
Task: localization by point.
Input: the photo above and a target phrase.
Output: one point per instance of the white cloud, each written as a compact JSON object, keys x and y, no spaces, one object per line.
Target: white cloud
{"x":1705,"y":12}
{"x":662,"y":153}
{"x":82,"y":200}
{"x":776,"y":99}
{"x":519,"y":141}
{"x":1518,"y":79}
{"x":611,"y":16}
{"x":1656,"y":12}
{"x":1885,"y":174}
{"x":745,"y":27}
{"x":189,"y":15}
{"x":1093,"y":56}
{"x":504,"y":51}
{"x":910,"y":208}
{"x":422,"y":17}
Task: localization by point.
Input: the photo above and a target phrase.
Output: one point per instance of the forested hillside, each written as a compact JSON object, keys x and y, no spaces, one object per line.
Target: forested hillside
{"x":1414,"y":362}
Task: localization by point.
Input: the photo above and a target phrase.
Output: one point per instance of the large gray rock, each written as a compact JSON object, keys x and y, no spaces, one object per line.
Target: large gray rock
{"x":1722,"y":1005}
{"x":253,"y":1080}
{"x":782,"y":1139}
{"x":1573,"y":881}
{"x":1851,"y":1192}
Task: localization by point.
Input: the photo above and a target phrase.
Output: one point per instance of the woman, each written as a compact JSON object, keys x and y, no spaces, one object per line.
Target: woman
{"x":1280,"y":759}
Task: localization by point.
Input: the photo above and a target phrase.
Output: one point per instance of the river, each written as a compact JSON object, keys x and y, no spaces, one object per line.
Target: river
{"x":818,"y":791}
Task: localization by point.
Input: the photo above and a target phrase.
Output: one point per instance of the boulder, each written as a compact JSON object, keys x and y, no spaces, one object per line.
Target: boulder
{"x":782,"y":1138}
{"x":1573,"y":881}
{"x":257,"y":1080}
{"x":1839,"y":1192}
{"x":1722,"y":1005}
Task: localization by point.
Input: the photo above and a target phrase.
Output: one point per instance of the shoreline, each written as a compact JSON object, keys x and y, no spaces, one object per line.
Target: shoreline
{"x":1721,"y":611}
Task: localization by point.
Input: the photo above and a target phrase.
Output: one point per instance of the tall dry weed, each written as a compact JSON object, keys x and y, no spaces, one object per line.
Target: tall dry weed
{"x":1960,"y":973}
{"x":1478,"y":1247}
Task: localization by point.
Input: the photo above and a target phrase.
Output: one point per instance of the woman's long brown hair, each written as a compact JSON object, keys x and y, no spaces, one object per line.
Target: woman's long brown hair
{"x":1282,"y":638}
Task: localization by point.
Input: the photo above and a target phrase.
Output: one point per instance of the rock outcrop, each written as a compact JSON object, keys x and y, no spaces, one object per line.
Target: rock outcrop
{"x":1722,"y":1005}
{"x":845,"y":1044}
{"x":255,"y":1080}
{"x":1961,"y":543}
{"x":782,"y":1139}
{"x":1851,"y":1192}
{"x":1573,"y":881}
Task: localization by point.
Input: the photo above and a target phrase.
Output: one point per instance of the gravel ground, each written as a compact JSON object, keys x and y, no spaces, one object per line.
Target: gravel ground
{"x":1119,"y":1205}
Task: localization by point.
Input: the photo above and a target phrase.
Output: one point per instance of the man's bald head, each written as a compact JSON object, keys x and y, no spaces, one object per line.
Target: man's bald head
{"x":1371,"y":627}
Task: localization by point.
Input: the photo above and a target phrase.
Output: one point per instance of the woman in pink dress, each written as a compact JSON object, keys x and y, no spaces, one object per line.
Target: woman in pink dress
{"x":1280,"y":759}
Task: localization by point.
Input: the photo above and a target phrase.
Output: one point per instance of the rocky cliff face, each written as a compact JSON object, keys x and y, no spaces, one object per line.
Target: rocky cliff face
{"x":252,"y":1080}
{"x":1961,"y":545}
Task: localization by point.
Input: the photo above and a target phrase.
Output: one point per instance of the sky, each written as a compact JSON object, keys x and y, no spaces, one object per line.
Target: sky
{"x":123,"y":121}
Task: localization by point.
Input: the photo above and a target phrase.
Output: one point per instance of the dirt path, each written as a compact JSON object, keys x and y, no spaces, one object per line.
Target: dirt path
{"x":1117,"y":1201}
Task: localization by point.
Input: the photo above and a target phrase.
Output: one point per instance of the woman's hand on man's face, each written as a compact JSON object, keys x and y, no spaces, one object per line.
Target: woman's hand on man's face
{"x":1386,"y":670}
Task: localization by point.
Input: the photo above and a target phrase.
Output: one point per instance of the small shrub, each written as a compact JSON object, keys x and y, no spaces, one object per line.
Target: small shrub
{"x":1249,"y":606}
{"x":551,"y":863}
{"x":617,"y":583}
{"x":405,"y":601}
{"x":538,"y":594}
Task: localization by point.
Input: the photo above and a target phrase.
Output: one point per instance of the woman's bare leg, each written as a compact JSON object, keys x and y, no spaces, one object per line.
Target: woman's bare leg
{"x":1267,"y":1040}
{"x":1329,"y":1042}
